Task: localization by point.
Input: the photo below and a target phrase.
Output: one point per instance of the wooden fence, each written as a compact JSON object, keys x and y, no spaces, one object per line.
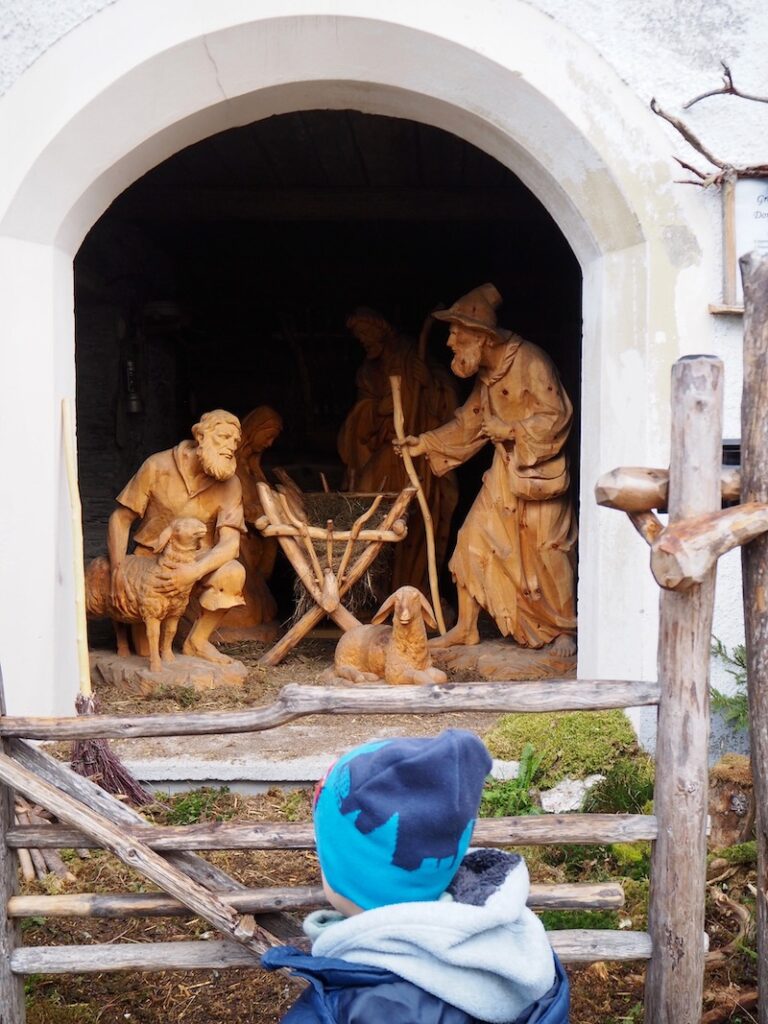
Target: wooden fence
{"x":249,"y":920}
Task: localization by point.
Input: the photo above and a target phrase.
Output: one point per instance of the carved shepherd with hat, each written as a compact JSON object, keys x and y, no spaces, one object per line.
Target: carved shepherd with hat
{"x":515,"y":553}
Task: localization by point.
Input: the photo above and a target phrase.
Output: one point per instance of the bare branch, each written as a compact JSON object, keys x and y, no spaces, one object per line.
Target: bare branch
{"x":687,"y":134}
{"x":726,"y":169}
{"x":726,"y":89}
{"x":688,"y":167}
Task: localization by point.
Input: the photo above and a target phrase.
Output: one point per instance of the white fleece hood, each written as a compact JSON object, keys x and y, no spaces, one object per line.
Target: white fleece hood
{"x":478,"y":948}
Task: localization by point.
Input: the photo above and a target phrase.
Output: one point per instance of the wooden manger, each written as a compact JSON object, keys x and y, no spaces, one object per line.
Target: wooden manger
{"x":345,"y":556}
{"x":250,"y":920}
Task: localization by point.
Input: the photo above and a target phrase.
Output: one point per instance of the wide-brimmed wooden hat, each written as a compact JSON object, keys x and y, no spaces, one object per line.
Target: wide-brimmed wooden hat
{"x":476,"y":309}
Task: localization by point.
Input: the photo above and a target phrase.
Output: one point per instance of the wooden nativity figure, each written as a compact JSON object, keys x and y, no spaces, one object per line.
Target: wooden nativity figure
{"x":256,"y":618}
{"x":515,"y":553}
{"x":196,"y":479}
{"x":365,"y":439}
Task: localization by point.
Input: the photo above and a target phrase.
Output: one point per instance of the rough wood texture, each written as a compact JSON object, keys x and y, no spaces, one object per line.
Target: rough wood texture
{"x":296,"y":701}
{"x":647,"y":524}
{"x":255,"y":901}
{"x":397,"y":654}
{"x":243,"y":835}
{"x":678,"y":875}
{"x":576,"y":946}
{"x":79,"y":788}
{"x":685,"y":552}
{"x":515,"y":552}
{"x":12,"y":1010}
{"x":429,"y":530}
{"x":197,"y":479}
{"x":135,"y":855}
{"x":754,"y":456}
{"x":356,"y":571}
{"x":635,"y":489}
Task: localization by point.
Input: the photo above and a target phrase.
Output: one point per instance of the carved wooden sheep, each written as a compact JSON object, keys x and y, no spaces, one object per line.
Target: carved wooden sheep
{"x":135,"y":596}
{"x":398,"y":654}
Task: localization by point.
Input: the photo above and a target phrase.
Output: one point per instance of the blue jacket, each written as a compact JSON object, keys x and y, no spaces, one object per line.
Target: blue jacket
{"x":340,"y":992}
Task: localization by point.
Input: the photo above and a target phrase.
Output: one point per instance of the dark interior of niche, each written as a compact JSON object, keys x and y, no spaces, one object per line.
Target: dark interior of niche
{"x":224,"y":276}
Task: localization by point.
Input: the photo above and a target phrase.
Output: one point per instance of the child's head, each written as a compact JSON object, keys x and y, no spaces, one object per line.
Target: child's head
{"x":394,"y":818}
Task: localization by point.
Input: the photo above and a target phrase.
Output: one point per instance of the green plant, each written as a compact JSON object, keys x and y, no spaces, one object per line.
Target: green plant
{"x":569,"y":744}
{"x":295,"y":805}
{"x":512,"y":797}
{"x":734,"y":707}
{"x":559,"y":920}
{"x":198,"y":805}
{"x":626,"y":788}
{"x":741,"y":853}
{"x":633,"y":860}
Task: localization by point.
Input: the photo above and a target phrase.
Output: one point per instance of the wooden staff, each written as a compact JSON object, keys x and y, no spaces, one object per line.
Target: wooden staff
{"x":78,"y":561}
{"x":397,"y":402}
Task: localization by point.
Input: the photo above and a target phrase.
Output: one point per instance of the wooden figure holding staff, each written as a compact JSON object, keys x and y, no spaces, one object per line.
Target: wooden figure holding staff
{"x":515,"y":553}
{"x":365,"y":440}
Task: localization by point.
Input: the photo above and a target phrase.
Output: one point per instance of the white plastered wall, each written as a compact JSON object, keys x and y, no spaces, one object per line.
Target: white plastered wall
{"x":138,"y":81}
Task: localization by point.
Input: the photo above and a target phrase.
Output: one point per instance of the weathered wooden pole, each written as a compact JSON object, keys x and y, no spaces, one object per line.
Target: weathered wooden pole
{"x":12,"y":1009}
{"x":678,"y":868}
{"x":754,"y":487}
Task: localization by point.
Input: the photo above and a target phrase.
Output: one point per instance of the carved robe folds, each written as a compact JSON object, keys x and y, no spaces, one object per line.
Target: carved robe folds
{"x":515,"y":553}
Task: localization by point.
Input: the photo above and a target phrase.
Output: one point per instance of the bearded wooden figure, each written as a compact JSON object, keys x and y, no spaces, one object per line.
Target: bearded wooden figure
{"x":196,"y":478}
{"x":515,"y":553}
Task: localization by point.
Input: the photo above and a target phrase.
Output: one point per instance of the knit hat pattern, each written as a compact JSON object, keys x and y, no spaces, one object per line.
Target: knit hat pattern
{"x":393,"y":819}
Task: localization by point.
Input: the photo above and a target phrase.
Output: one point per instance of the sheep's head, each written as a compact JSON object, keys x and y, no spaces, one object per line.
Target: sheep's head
{"x":406,"y":605}
{"x":187,"y":533}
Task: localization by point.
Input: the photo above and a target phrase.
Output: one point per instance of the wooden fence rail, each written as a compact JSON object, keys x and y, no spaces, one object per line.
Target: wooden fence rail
{"x":575,"y":946}
{"x":297,"y":701}
{"x":537,"y":830}
{"x":250,"y":919}
{"x":566,"y":896}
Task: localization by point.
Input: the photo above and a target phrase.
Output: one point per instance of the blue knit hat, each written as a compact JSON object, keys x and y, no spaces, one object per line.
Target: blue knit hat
{"x":394,"y":819}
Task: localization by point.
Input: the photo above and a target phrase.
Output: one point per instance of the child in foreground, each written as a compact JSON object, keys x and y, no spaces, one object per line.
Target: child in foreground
{"x":421,"y":933}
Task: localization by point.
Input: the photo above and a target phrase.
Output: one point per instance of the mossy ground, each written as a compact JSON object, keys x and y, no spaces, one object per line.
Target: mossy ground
{"x":571,"y":744}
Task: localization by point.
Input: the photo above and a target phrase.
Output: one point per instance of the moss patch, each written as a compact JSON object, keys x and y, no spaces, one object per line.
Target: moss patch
{"x":626,"y":789}
{"x":742,"y":853}
{"x":570,"y":744}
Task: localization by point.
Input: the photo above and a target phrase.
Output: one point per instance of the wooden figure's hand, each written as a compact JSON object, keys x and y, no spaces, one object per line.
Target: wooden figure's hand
{"x":413,"y":445}
{"x":496,"y":429}
{"x":177,"y":580}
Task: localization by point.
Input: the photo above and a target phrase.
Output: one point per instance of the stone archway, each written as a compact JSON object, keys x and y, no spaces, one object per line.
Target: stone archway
{"x":143,"y":83}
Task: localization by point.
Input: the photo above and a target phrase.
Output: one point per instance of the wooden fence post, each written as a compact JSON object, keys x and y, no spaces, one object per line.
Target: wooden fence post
{"x":754,"y":487}
{"x":675,"y":977}
{"x":12,"y":1008}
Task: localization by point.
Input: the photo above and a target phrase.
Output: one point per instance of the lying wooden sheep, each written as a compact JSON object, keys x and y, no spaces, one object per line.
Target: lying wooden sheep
{"x":135,"y":596}
{"x":398,"y":654}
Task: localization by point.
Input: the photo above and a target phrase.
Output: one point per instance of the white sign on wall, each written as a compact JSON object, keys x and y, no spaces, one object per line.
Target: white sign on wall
{"x":751,"y":222}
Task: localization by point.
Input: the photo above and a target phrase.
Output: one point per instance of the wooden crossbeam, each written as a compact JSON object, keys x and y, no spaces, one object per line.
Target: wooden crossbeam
{"x":573,"y":896}
{"x":534,"y":830}
{"x":241,"y":929}
{"x":685,"y":552}
{"x":297,"y":701}
{"x":572,"y":946}
{"x":636,"y":489}
{"x":114,"y":810}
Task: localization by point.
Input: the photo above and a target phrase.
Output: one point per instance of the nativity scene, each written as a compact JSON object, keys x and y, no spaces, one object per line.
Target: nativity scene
{"x":207,"y":523}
